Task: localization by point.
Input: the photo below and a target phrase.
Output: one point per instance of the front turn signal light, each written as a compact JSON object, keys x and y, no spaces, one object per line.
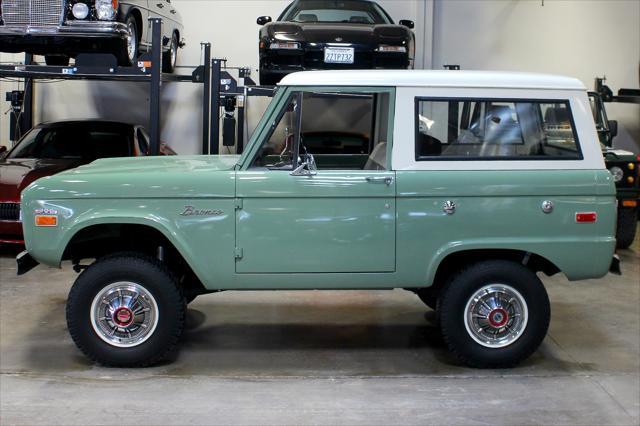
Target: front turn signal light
{"x":630,"y":179}
{"x":631,"y":166}
{"x":46,"y":220}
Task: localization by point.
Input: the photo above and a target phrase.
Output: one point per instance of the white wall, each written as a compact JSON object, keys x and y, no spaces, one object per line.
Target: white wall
{"x":584,"y":39}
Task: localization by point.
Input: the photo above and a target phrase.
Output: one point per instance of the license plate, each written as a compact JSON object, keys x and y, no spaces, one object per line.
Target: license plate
{"x":338,"y":55}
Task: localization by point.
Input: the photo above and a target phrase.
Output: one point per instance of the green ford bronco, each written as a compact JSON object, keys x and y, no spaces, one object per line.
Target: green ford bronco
{"x":460,"y":187}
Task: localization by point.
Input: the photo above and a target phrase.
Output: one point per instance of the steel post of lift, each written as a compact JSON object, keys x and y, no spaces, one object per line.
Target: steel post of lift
{"x":156,"y":85}
{"x":206,"y":98}
{"x":214,"y":136}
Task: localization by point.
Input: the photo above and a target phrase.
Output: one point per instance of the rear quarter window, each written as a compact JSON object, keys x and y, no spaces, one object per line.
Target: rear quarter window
{"x":495,"y":129}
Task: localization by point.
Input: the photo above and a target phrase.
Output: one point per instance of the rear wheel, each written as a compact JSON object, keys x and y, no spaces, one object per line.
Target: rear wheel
{"x":170,"y":58}
{"x":494,"y":314}
{"x":126,"y":311}
{"x":57,"y":60}
{"x":627,"y":224}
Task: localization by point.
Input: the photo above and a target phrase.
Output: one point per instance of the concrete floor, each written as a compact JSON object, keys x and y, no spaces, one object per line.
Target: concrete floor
{"x":324,"y":358}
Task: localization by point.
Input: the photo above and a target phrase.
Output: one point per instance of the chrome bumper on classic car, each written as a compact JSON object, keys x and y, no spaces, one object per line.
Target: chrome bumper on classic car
{"x":70,"y":29}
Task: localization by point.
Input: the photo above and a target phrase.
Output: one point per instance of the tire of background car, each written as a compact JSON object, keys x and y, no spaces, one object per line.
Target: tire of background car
{"x":494,"y":314}
{"x":56,"y":60}
{"x":626,"y":231}
{"x":170,"y":57}
{"x":131,"y":51}
{"x":126,"y":310}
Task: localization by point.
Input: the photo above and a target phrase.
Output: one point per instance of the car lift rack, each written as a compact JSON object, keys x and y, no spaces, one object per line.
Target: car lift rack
{"x":220,"y":89}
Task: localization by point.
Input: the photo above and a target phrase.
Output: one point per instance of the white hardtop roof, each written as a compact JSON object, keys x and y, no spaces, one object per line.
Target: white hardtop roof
{"x":433,"y":78}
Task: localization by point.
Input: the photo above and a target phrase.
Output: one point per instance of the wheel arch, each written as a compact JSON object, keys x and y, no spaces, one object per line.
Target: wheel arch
{"x":137,"y":15}
{"x":92,"y":240}
{"x":453,"y":261}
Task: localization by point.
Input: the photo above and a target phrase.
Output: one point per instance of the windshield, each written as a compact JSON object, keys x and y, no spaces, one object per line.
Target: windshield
{"x":347,"y":11}
{"x":77,"y":141}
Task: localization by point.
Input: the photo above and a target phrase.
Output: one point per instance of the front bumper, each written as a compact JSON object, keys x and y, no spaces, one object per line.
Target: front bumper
{"x":75,"y":34}
{"x":279,"y":62}
{"x":11,"y":232}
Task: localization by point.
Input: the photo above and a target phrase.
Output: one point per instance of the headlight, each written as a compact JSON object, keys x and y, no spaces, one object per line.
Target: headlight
{"x":389,"y":48}
{"x":617,"y":173}
{"x":106,"y":9}
{"x":80,"y":10}
{"x":284,"y":45}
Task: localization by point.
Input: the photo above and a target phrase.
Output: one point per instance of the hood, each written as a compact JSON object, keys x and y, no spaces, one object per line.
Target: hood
{"x":17,"y":174}
{"x":142,"y":177}
{"x":329,"y":32}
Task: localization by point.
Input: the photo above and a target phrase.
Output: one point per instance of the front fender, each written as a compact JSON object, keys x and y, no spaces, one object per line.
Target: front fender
{"x":196,"y":238}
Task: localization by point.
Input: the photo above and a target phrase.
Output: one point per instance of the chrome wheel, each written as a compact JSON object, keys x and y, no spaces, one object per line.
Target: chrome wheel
{"x":174,"y":51}
{"x":132,"y":42}
{"x":496,"y":316}
{"x":124,"y":314}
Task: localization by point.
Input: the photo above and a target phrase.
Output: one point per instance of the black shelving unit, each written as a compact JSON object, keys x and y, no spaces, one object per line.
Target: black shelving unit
{"x":101,"y":67}
{"x":220,"y":89}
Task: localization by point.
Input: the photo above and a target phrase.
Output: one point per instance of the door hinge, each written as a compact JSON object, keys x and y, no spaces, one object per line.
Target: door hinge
{"x":239,"y":204}
{"x":239,"y":253}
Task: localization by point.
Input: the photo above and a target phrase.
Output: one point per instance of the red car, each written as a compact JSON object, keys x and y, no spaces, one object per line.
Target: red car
{"x":51,"y":148}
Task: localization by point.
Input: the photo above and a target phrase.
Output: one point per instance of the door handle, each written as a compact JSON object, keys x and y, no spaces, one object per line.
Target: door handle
{"x":387,"y":180}
{"x":160,"y":5}
{"x":173,"y":11}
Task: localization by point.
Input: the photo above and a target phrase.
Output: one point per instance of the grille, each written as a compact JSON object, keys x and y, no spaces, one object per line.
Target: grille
{"x":37,"y":13}
{"x":10,"y":211}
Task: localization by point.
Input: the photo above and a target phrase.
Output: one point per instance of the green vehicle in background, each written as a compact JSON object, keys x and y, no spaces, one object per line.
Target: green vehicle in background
{"x":623,"y":165}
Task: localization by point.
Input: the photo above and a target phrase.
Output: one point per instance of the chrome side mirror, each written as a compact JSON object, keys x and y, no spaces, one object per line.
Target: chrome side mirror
{"x":306,"y":168}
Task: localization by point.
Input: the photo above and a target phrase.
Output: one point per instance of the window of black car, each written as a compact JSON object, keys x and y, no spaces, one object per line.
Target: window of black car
{"x":464,"y":129}
{"x":343,"y":131}
{"x":346,"y":11}
{"x":74,"y":142}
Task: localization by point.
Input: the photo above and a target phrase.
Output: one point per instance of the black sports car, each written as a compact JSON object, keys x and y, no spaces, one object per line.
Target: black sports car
{"x":326,"y":34}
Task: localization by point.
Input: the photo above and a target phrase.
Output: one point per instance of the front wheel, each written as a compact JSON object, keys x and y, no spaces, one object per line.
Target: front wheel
{"x":126,"y":311}
{"x":494,"y":314}
{"x":131,"y":51}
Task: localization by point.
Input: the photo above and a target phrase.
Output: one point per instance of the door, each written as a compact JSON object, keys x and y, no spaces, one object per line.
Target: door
{"x":338,"y":218}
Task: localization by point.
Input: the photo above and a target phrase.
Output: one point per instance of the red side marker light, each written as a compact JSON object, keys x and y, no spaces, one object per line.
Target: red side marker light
{"x":586,"y":217}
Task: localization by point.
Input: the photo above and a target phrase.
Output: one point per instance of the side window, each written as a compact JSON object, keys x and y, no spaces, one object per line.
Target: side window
{"x":342,"y":130}
{"x":346,"y":131}
{"x":278,"y":150}
{"x":494,"y":129}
